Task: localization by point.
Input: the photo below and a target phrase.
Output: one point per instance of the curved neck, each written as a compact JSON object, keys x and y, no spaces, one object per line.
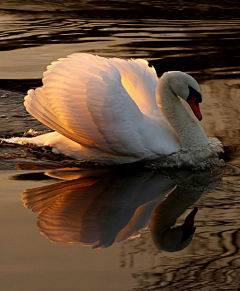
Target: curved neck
{"x":189,"y":132}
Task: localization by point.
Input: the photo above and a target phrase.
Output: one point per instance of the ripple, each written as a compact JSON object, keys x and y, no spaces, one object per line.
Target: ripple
{"x":199,"y":47}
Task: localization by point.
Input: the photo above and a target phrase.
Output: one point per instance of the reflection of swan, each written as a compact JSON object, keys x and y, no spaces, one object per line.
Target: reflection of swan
{"x":114,"y":206}
{"x":165,"y":215}
{"x":107,"y":110}
{"x":95,"y":210}
{"x":191,"y":187}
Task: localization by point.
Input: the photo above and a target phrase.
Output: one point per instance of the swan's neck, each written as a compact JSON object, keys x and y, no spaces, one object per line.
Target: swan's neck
{"x":189,"y":132}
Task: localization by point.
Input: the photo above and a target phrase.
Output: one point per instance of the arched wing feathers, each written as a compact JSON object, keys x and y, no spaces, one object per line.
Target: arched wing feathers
{"x":84,"y":98}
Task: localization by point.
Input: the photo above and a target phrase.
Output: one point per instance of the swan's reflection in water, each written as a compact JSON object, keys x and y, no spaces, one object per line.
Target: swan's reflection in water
{"x":106,"y":206}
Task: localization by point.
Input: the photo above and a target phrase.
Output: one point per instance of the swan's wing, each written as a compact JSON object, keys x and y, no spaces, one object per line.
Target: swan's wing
{"x":38,"y":106}
{"x":137,"y":78}
{"x":140,"y":82}
{"x":85,"y":100}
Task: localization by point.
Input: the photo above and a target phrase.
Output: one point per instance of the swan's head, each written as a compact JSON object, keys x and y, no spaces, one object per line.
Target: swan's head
{"x":177,"y":238}
{"x":187,"y":88}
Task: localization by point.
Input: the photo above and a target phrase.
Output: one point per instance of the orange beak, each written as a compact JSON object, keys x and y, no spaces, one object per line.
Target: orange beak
{"x":195,"y":108}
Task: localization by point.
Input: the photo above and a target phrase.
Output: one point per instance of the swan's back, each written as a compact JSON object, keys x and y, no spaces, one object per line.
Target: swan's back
{"x":105,"y":104}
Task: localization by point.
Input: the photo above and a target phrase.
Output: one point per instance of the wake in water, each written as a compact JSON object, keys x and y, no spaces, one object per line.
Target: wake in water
{"x":199,"y":158}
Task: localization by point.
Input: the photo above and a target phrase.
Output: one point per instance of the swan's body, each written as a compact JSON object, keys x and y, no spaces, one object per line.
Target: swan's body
{"x":114,"y":111}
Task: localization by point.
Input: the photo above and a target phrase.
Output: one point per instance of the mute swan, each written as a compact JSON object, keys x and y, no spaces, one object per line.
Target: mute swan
{"x":114,"y":111}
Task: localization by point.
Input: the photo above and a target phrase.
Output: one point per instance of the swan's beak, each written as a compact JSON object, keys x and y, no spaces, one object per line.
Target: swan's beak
{"x":194,"y":98}
{"x":188,"y":226}
{"x":195,"y":107}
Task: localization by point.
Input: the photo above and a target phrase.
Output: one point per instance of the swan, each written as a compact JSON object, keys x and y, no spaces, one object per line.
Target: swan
{"x":114,"y":111}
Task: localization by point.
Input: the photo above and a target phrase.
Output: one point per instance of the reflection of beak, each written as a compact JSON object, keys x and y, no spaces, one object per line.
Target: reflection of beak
{"x":195,"y":108}
{"x":188,"y":226}
{"x":189,"y":220}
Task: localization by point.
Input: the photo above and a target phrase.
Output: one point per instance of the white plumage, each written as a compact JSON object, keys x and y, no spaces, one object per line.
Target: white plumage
{"x":113,"y":111}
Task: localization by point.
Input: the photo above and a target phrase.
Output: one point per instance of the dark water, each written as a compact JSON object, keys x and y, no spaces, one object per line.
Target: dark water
{"x":104,"y":207}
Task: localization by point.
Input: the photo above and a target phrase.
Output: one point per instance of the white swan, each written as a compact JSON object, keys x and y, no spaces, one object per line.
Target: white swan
{"x":114,"y":111}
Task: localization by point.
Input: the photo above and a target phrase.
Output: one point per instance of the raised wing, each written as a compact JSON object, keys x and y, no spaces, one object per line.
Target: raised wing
{"x":140,"y":82}
{"x":84,"y":98}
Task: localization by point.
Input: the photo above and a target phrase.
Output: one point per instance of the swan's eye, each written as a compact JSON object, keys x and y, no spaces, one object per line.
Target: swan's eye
{"x":194,"y":94}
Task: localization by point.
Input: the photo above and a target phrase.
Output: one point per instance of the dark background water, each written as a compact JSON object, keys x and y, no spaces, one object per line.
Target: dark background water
{"x":181,"y":35}
{"x":177,"y":9}
{"x":198,"y":38}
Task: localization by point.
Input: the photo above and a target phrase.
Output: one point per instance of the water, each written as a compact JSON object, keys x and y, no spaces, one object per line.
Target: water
{"x":43,"y":246}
